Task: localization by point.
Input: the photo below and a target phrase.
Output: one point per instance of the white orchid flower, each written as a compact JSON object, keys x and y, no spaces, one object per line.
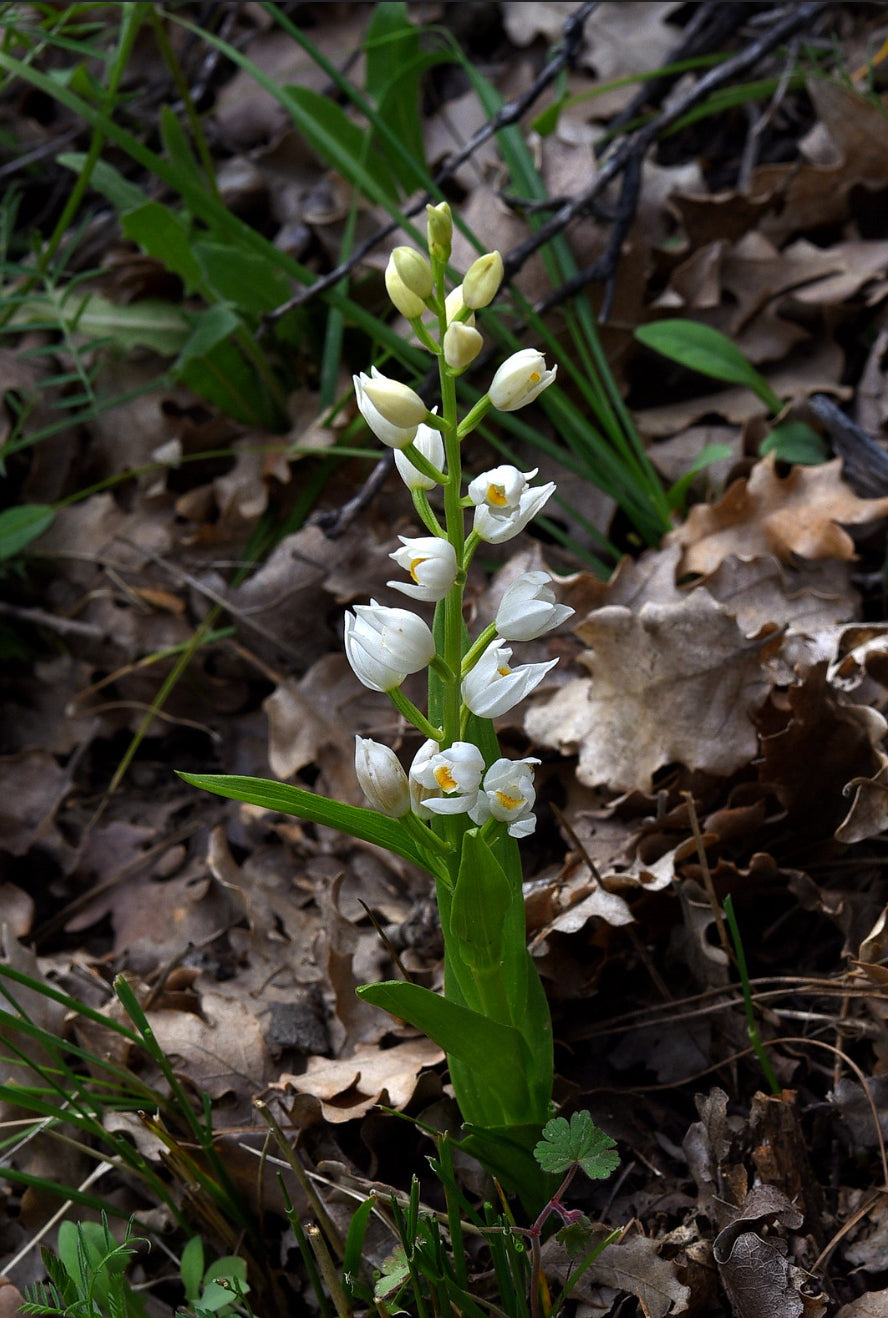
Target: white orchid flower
{"x":382,"y":778}
{"x":507,"y":793}
{"x":384,"y":645}
{"x":520,"y":379}
{"x":431,"y":562}
{"x":445,"y":782}
{"x":492,"y":688}
{"x":505,"y":503}
{"x":529,"y":608}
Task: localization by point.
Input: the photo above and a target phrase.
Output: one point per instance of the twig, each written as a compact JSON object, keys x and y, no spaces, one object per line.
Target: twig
{"x":508,"y":114}
{"x":637,"y":145}
{"x":865,"y":461}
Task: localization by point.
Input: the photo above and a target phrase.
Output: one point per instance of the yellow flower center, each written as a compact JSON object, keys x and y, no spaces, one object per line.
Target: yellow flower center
{"x":504,"y":671}
{"x":413,"y":566}
{"x":509,"y":802}
{"x":445,"y":779}
{"x":534,"y":377}
{"x":496,"y":495}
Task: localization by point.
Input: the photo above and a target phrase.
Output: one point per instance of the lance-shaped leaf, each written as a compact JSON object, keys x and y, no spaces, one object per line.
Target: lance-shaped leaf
{"x":496,"y":1056}
{"x":352,"y":819}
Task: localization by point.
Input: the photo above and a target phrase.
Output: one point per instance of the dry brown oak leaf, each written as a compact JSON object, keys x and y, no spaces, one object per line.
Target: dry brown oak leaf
{"x":672,"y":683}
{"x":801,"y":513}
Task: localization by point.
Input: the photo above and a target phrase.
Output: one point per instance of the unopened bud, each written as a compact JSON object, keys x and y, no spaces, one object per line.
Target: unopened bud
{"x":482,"y":280}
{"x":440,"y":230}
{"x":414,"y":270}
{"x":406,"y":302}
{"x":461,"y":345}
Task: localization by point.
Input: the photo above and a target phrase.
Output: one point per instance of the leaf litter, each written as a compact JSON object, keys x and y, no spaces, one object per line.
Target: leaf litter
{"x":722,"y":734}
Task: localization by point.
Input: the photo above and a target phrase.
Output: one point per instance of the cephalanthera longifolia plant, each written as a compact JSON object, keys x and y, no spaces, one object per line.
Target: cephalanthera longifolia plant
{"x":462,"y":807}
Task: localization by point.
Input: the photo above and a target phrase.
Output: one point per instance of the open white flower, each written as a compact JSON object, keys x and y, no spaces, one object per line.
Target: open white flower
{"x":529,"y":608}
{"x":520,"y":379}
{"x":430,"y":443}
{"x":382,"y":778}
{"x":505,"y":503}
{"x":384,"y":645}
{"x":392,"y":410}
{"x":492,"y":688}
{"x":507,"y":793}
{"x":431,"y":562}
{"x":445,"y":782}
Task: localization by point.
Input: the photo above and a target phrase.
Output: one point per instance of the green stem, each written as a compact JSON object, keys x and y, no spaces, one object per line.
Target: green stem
{"x":477,"y":648}
{"x":751,"y":1026}
{"x":424,"y":836}
{"x":414,"y":715}
{"x":425,"y":513}
{"x":475,"y":416}
{"x":422,"y":464}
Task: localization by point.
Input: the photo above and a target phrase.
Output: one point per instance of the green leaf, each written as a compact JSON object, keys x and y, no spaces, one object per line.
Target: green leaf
{"x":246,"y":279}
{"x":795,"y":441}
{"x":213,"y":366}
{"x":705,"y":458}
{"x":496,"y":1054}
{"x":708,"y":351}
{"x":354,"y":820}
{"x":166,"y":236}
{"x":158,"y":326}
{"x":107,"y":181}
{"x":577,"y":1141}
{"x":339,"y":142}
{"x":176,"y":146}
{"x":19,"y":526}
{"x":394,"y":70}
{"x":482,"y":900}
{"x":191,"y":1268}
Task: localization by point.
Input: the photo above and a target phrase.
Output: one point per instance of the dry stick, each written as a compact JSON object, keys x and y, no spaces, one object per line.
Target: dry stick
{"x":636,"y":145}
{"x":507,"y":115}
{"x":707,"y":31}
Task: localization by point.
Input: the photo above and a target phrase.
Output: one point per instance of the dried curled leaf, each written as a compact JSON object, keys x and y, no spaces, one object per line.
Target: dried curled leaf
{"x":672,"y":683}
{"x":802,"y":513}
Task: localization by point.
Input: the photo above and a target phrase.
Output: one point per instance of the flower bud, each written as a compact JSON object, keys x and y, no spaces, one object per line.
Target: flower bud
{"x":414,"y":271}
{"x":384,"y":645}
{"x":454,"y":304}
{"x":382,"y":778}
{"x":520,"y":379}
{"x":430,"y":443}
{"x":394,"y":435}
{"x":404,"y":301}
{"x":461,"y":345}
{"x":440,"y":230}
{"x":397,"y":403}
{"x":482,"y":280}
{"x":431,"y":562}
{"x":529,"y":608}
